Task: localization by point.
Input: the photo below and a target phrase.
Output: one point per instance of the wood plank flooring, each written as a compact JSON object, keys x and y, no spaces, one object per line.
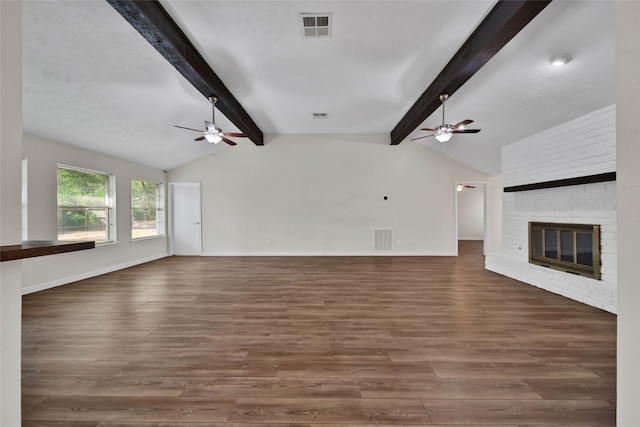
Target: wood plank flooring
{"x":314,"y":341}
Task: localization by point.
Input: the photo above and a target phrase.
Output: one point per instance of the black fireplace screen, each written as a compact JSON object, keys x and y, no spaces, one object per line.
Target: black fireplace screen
{"x":574,"y":248}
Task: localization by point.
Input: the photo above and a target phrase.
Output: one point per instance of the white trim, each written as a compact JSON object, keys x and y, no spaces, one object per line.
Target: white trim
{"x":104,"y":243}
{"x":142,"y":239}
{"x":470,"y":238}
{"x":344,"y":254}
{"x":88,"y":275}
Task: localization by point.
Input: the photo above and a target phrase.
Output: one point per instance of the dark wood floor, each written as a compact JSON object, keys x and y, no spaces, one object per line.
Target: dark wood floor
{"x":311,"y":341}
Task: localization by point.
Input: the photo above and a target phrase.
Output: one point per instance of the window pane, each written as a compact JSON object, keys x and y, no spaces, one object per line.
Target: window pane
{"x":566,"y":246}
{"x":83,"y":205}
{"x":146,"y":209}
{"x":551,"y":244}
{"x":537,"y":242}
{"x":584,"y":247}
{"x":82,"y":223}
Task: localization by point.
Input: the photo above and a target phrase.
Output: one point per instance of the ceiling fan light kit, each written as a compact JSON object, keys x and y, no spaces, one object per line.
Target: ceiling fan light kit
{"x":444,"y":132}
{"x":213,"y":139}
{"x":560,"y":60}
{"x":443,"y":136}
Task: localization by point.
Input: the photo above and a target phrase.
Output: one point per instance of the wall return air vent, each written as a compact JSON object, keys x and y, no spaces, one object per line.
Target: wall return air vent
{"x":316,"y":25}
{"x":382,"y":240}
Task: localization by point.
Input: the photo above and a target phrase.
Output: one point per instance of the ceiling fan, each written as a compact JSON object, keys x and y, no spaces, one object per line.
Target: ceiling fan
{"x":444,"y":132}
{"x":461,"y":187}
{"x":212,"y":133}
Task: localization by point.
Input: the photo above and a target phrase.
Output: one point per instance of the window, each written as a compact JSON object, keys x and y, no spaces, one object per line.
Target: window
{"x":574,"y":248}
{"x":85,"y":205}
{"x":147,"y":201}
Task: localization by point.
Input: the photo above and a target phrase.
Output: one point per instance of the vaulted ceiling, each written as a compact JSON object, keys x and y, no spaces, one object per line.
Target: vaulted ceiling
{"x":91,"y":80}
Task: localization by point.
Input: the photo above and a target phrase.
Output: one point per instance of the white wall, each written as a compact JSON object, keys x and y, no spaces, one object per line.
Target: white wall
{"x":494,"y":214}
{"x":628,"y":130}
{"x":43,"y":157}
{"x":471,"y":213}
{"x":10,"y":166}
{"x":324,"y":194}
{"x":584,"y":146}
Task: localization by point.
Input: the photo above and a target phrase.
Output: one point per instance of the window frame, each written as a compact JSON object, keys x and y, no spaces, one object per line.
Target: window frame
{"x":110,"y":204}
{"x":159,"y":208}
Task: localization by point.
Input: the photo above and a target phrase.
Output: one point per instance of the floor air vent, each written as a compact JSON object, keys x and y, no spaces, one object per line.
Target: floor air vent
{"x":382,"y":240}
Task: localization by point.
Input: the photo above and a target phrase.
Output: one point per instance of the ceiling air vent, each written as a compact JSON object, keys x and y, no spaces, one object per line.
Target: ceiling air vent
{"x":316,"y":25}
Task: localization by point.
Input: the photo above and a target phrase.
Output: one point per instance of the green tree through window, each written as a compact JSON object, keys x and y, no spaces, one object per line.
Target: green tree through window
{"x":146,"y":209}
{"x":84,"y":205}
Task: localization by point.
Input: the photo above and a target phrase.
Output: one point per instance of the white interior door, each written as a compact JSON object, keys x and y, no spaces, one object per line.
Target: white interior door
{"x":185,"y":218}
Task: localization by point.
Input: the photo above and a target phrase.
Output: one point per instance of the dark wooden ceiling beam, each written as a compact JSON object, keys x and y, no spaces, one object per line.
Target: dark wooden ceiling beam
{"x":153,"y":22}
{"x":504,"y":21}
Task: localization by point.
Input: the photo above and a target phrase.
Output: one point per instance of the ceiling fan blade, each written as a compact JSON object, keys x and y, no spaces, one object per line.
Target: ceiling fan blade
{"x":465,"y":131}
{"x":228,"y":141}
{"x":420,"y":137}
{"x":462,"y":123}
{"x":199,"y":139}
{"x":429,"y":129}
{"x":182,"y":127}
{"x":237,"y":135}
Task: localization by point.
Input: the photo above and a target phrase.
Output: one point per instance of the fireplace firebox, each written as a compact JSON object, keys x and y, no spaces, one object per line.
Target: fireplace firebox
{"x":574,"y":248}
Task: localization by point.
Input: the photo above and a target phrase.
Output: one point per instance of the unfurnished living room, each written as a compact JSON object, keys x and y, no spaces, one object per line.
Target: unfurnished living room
{"x":319,"y":213}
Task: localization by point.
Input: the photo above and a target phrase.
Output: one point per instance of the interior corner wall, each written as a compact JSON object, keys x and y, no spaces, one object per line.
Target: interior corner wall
{"x":324,"y":195}
{"x":43,"y":157}
{"x":628,"y":128}
{"x":584,"y":146}
{"x":494,"y":214}
{"x":10,"y":200}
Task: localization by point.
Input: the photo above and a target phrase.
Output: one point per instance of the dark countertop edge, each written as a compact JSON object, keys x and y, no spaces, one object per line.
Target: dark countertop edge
{"x":37,"y":248}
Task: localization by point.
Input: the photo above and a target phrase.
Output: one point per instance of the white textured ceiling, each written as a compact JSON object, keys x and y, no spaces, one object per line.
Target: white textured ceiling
{"x":91,"y":80}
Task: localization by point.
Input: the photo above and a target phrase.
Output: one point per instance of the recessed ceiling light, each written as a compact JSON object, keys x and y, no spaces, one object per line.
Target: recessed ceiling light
{"x":560,"y":60}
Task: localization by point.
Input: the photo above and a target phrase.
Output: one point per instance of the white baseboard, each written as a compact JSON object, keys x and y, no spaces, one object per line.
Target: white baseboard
{"x":89,"y":274}
{"x":344,"y":254}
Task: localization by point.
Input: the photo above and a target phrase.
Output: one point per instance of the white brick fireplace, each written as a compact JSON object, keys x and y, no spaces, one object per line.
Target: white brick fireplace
{"x":583,"y":147}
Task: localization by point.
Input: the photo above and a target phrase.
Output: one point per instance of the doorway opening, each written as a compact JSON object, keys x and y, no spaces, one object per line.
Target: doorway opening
{"x":471,"y":212}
